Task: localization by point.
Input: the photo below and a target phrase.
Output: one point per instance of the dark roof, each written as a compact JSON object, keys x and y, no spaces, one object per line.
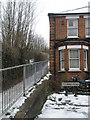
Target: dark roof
{"x":65,"y":14}
{"x":68,"y":40}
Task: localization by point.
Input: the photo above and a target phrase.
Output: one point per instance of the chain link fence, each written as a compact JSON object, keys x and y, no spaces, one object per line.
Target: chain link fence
{"x":17,"y":80}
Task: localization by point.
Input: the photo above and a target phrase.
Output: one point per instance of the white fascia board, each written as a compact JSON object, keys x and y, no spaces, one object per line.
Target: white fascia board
{"x":72,"y":17}
{"x":62,"y":48}
{"x":74,"y":47}
{"x":85,"y":47}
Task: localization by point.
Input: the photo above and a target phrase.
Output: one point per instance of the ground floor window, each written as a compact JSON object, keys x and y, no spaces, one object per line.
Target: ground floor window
{"x":74,"y":59}
{"x":85,"y":59}
{"x":62,"y":60}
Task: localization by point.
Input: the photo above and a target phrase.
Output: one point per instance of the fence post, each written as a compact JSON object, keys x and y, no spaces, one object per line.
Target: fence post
{"x":35,"y":74}
{"x":1,"y":93}
{"x":24,"y":70}
{"x":48,"y":64}
{"x":41,"y":69}
{"x":1,"y":79}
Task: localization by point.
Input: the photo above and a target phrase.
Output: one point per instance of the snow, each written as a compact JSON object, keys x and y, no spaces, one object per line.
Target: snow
{"x":44,"y":78}
{"x":15,"y":107}
{"x":77,"y":10}
{"x":8,"y":97}
{"x":65,"y":106}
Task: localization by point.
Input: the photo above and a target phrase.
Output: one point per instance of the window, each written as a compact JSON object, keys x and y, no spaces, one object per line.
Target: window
{"x":87,"y":27}
{"x":62,"y":60}
{"x":72,"y":27}
{"x":71,"y":23}
{"x":85,"y":60}
{"x":74,"y":59}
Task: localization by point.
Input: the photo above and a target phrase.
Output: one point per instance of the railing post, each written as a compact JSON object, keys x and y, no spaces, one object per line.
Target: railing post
{"x":41,"y":69}
{"x":24,"y":70}
{"x":1,"y":80}
{"x":1,"y":92}
{"x":47,"y":67}
{"x":35,"y":74}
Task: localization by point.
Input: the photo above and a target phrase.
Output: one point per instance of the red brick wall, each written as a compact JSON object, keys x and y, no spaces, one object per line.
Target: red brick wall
{"x":81,"y":27}
{"x":61,"y":28}
{"x":66,"y":60}
{"x":51,"y":56}
{"x":52,"y":29}
{"x":57,"y":60}
{"x":82,"y":75}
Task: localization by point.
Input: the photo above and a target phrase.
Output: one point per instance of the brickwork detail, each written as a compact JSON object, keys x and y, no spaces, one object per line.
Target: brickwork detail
{"x":81,"y":27}
{"x":61,"y":28}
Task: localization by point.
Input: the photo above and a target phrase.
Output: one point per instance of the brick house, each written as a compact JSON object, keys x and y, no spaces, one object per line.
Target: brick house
{"x":70,"y":45}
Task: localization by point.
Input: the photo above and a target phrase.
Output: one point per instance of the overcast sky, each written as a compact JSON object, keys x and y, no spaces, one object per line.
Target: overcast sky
{"x":53,"y":6}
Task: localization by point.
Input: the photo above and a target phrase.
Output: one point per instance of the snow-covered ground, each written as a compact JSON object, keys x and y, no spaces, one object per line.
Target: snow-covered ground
{"x":15,"y":107}
{"x":60,"y":106}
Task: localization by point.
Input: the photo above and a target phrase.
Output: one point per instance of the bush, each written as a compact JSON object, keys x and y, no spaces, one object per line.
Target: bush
{"x":55,"y":83}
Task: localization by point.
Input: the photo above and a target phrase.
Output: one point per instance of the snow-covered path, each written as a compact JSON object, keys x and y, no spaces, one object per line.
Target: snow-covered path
{"x":61,"y":106}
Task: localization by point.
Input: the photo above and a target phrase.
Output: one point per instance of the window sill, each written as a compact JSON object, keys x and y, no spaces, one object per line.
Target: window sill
{"x":61,"y":71}
{"x":72,"y":37}
{"x":74,"y":70}
{"x":85,"y":70}
{"x":87,"y":36}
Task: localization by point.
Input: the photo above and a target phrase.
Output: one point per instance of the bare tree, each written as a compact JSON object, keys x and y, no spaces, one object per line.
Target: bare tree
{"x":19,"y":41}
{"x":17,"y":25}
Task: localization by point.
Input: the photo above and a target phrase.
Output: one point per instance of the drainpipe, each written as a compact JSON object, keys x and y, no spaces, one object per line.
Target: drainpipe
{"x":54,"y":46}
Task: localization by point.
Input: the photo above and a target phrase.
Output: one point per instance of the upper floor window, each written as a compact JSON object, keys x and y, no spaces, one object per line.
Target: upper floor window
{"x":87,"y":27}
{"x":72,"y":28}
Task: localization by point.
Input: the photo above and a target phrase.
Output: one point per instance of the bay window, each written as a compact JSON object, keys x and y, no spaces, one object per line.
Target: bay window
{"x":74,"y":53}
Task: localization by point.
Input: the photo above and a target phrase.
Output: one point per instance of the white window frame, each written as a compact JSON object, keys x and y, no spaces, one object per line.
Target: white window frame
{"x":85,"y":47}
{"x":75,"y":21}
{"x":87,"y":26}
{"x":62,"y":69}
{"x":74,"y":69}
{"x":85,"y":69}
{"x":74,"y":47}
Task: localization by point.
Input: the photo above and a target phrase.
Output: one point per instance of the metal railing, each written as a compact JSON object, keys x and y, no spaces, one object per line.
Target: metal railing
{"x":15,"y":81}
